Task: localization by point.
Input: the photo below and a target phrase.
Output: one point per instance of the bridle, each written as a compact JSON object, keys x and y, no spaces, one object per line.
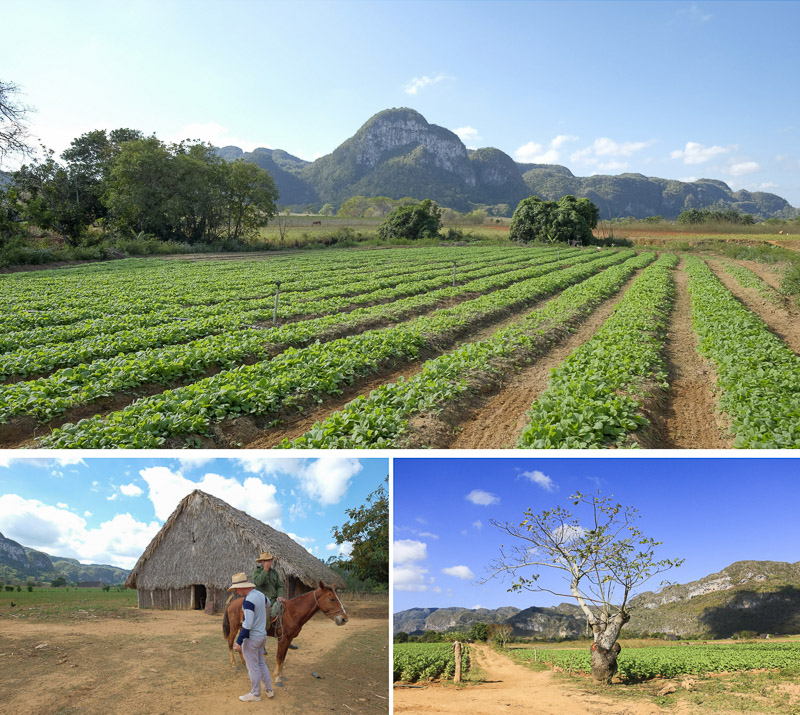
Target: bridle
{"x":331,"y":613}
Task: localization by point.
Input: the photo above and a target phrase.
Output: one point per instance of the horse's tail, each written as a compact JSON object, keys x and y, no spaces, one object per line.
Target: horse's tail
{"x":226,"y":625}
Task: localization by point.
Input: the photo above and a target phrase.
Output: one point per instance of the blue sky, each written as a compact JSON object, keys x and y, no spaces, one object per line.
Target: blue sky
{"x":680,"y":90}
{"x":106,"y":510}
{"x":711,"y":512}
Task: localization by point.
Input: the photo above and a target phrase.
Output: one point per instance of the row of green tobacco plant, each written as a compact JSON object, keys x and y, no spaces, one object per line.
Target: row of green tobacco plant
{"x":381,"y":419}
{"x":758,"y":375}
{"x":591,"y":399}
{"x":297,"y":377}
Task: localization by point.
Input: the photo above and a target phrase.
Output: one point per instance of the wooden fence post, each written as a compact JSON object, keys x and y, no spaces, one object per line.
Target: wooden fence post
{"x":457,"y":649}
{"x":275,"y":311}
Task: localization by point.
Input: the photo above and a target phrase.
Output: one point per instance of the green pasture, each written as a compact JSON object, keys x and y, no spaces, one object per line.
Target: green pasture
{"x":68,"y":603}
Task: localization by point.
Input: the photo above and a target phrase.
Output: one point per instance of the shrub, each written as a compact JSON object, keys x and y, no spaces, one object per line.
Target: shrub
{"x":412,"y":222}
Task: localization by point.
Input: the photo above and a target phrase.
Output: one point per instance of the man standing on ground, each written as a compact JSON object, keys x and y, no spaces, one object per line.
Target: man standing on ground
{"x":269,"y":583}
{"x":252,"y":637}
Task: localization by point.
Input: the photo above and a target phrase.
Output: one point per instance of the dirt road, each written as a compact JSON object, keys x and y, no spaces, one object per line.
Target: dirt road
{"x":177,"y":662}
{"x":510,"y":688}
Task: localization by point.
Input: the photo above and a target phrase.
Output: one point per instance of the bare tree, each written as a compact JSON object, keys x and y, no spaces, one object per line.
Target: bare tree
{"x":602,"y":559}
{"x":500,"y":632}
{"x":13,"y":128}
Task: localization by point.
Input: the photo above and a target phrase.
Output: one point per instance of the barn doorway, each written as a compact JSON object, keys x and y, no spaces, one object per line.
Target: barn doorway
{"x":198,"y":597}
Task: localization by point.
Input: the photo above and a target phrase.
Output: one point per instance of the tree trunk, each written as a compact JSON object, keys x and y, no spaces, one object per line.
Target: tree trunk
{"x":604,"y":662}
{"x":605,"y":648}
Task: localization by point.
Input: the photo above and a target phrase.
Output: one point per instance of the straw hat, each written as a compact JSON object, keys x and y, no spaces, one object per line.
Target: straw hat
{"x":240,"y":581}
{"x":265,"y":556}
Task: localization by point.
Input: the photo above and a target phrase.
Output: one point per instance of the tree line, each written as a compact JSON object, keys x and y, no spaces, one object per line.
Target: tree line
{"x":130,"y":185}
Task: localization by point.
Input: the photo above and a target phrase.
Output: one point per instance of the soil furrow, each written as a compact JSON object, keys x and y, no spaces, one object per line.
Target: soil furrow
{"x":782,"y":322}
{"x":689,"y":418}
{"x":501,"y":417}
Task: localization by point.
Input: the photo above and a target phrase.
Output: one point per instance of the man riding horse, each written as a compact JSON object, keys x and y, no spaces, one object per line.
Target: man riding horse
{"x":269,"y":583}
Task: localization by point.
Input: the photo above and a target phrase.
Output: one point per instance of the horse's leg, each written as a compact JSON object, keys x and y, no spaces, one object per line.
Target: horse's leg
{"x":283,"y":645}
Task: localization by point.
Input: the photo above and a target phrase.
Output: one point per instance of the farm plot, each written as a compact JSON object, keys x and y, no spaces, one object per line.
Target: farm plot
{"x":672,"y":661}
{"x":154,"y":353}
{"x":426,"y":661}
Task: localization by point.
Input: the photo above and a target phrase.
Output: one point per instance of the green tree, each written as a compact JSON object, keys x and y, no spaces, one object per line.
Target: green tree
{"x":368,"y":533}
{"x":58,"y":582}
{"x":412,"y":222}
{"x":401,"y":637}
{"x":479,"y":631}
{"x":568,"y":219}
{"x":603,"y":557}
{"x":327,"y":210}
{"x":249,"y":195}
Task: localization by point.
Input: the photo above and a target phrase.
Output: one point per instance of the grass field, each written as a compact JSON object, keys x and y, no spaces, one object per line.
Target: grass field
{"x":468,"y":346}
{"x":60,"y":604}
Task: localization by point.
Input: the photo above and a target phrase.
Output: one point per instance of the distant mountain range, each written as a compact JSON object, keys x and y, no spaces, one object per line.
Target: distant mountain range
{"x":759,"y":596}
{"x":397,"y":153}
{"x":21,"y":563}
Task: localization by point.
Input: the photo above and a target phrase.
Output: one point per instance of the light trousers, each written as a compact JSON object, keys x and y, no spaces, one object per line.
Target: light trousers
{"x":253,"y":652}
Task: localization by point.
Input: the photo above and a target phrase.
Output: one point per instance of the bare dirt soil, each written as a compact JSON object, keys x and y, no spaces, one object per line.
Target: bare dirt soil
{"x":509,"y":688}
{"x":177,"y":662}
{"x":689,"y":419}
{"x":782,"y":319}
{"x":499,"y":422}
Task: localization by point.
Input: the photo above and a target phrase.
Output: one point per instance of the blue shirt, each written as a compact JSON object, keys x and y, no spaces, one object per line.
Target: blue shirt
{"x":254,"y":625}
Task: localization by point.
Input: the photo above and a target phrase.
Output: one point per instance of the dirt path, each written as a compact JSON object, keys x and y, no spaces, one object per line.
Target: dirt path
{"x":782,"y":320}
{"x":689,"y":419}
{"x":510,"y":688}
{"x":502,"y":417}
{"x":177,"y":662}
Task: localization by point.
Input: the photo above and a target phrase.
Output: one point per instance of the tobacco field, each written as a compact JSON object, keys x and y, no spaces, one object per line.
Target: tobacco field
{"x":446,"y":347}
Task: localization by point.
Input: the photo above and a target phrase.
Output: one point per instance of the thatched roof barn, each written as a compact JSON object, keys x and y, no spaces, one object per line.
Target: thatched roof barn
{"x":190,"y":561}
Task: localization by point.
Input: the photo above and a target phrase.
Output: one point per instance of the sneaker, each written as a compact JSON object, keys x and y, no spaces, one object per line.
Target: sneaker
{"x":269,"y":693}
{"x":250,"y":698}
{"x":292,"y":646}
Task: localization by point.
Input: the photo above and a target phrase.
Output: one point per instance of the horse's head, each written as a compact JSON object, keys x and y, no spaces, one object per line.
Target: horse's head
{"x":329,"y":603}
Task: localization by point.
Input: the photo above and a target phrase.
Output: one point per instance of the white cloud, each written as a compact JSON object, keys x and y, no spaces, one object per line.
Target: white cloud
{"x":418,"y":83}
{"x":58,"y":531}
{"x":305,"y":542}
{"x":131,"y":490}
{"x":62,"y":505}
{"x":744,"y":167}
{"x":87,"y":513}
{"x":568,"y":533}
{"x":328,"y":478}
{"x":482,"y":498}
{"x":467,"y":134}
{"x":325,"y":480}
{"x":612,"y":165}
{"x":462,"y":572}
{"x":343,"y":549}
{"x":605,"y":152}
{"x":477,"y":525}
{"x":537,"y":154}
{"x":167,"y":488}
{"x":194,"y":459}
{"x":410,"y":578}
{"x":766,"y":186}
{"x":406,"y":550}
{"x":113,"y":497}
{"x":540,"y":479}
{"x":696,"y":153}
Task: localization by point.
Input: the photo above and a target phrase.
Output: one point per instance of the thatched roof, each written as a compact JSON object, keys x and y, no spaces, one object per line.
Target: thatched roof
{"x":205,"y":540}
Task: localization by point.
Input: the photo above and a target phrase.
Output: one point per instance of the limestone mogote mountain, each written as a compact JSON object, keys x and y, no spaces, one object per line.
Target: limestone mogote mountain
{"x":398,"y":153}
{"x":20,"y":563}
{"x":757,"y":596}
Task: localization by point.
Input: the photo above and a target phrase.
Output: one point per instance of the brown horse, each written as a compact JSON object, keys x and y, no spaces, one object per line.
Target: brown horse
{"x":285,"y":628}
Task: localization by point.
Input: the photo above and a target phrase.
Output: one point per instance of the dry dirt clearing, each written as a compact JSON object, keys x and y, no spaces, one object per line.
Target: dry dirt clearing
{"x":512,"y":688}
{"x":177,"y":662}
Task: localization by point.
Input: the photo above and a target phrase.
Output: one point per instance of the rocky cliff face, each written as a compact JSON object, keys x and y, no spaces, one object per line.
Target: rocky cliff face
{"x":12,"y":554}
{"x":403,"y":130}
